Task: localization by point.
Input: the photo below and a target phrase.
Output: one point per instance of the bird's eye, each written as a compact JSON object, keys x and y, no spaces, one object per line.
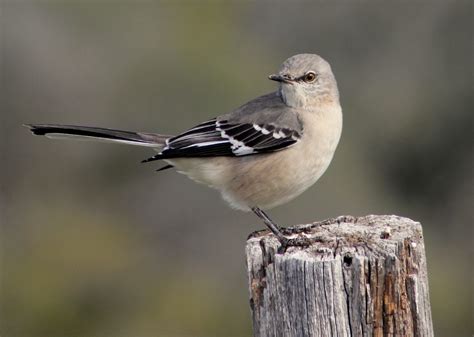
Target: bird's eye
{"x":309,"y":77}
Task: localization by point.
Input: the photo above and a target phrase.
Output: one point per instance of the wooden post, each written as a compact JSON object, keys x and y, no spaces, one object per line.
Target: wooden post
{"x":359,"y":277}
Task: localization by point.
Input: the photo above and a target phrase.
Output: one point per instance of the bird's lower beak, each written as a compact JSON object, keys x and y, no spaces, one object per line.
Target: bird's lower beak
{"x":280,"y":78}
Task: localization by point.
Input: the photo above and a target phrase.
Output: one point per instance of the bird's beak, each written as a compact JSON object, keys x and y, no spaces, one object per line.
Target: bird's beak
{"x":280,"y":78}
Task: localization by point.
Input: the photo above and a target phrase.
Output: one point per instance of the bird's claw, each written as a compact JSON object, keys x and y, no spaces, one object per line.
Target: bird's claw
{"x":296,"y":242}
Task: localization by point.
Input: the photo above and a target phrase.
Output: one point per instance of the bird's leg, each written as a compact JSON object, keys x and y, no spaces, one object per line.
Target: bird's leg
{"x":285,"y":242}
{"x":271,"y":225}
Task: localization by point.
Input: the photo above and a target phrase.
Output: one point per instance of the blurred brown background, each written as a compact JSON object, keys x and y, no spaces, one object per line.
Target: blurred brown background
{"x":96,"y":244}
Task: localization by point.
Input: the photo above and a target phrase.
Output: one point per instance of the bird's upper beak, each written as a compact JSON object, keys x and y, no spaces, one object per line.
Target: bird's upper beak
{"x":281,"y":78}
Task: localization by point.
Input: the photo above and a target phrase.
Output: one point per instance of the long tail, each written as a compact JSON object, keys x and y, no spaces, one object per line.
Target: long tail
{"x":100,"y":134}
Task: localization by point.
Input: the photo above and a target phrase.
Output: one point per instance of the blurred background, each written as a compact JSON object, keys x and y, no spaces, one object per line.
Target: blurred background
{"x":96,"y":244}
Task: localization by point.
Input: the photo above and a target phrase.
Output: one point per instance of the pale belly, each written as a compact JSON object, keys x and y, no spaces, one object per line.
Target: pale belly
{"x":275,"y":180}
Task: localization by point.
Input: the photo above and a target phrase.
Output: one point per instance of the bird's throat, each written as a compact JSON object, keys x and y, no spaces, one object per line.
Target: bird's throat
{"x":292,"y":95}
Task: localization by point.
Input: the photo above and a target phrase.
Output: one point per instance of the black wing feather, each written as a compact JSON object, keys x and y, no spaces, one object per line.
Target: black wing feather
{"x":221,"y":138}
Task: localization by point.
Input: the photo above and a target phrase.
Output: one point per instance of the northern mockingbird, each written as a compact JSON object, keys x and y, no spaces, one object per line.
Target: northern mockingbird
{"x":261,"y":155}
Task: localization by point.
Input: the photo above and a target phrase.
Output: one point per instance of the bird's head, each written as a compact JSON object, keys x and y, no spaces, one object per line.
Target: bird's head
{"x":306,"y":80}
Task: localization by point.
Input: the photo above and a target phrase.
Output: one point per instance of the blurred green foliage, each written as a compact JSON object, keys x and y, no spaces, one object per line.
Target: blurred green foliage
{"x":95,"y":245}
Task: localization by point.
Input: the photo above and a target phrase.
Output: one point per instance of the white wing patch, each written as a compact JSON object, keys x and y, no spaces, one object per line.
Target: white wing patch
{"x":277,"y":134}
{"x":261,"y":129}
{"x":238,"y":148}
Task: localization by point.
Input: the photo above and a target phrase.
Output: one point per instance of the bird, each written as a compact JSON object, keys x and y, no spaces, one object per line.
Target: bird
{"x":260,"y":155}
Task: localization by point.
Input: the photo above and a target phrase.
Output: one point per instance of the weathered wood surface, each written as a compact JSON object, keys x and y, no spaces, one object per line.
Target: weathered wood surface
{"x":361,"y":276}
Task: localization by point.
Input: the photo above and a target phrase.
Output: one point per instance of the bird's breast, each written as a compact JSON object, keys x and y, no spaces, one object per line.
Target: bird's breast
{"x":273,"y":179}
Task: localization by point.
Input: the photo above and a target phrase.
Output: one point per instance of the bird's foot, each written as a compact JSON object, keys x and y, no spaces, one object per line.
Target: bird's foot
{"x":295,"y":242}
{"x":336,"y":221}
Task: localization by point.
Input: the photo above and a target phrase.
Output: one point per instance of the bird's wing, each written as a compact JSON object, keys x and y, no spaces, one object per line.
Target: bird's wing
{"x":262,"y":125}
